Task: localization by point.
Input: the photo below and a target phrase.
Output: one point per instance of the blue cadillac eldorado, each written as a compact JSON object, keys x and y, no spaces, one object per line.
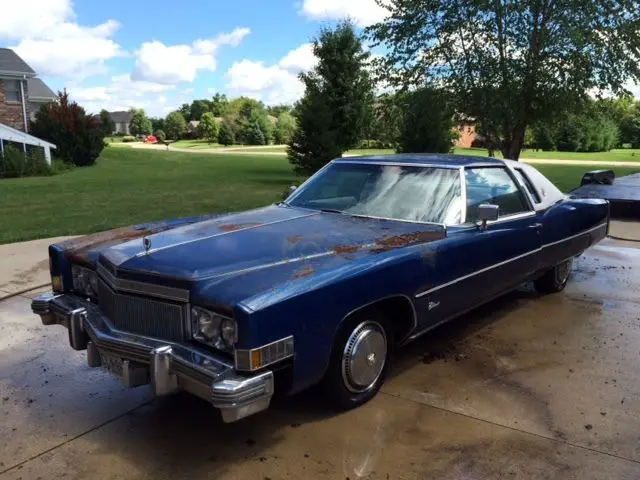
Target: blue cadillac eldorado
{"x":367,"y":255}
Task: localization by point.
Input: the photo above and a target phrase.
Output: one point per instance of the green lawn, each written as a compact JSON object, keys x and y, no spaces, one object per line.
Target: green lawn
{"x":616,"y":155}
{"x":129,"y":186}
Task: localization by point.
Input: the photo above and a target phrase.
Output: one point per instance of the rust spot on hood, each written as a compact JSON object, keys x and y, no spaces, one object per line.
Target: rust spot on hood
{"x":345,"y":249}
{"x":398,"y":241}
{"x":304,"y":272}
{"x":293,"y":239}
{"x":232,"y":227}
{"x":77,"y":249}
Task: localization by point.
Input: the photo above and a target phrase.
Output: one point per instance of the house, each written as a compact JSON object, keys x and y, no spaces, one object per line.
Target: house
{"x":467,"y":132}
{"x":121,"y":120}
{"x":39,"y":94}
{"x":16,"y":104}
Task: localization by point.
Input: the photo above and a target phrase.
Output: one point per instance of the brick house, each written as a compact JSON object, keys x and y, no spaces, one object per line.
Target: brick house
{"x":21,"y":93}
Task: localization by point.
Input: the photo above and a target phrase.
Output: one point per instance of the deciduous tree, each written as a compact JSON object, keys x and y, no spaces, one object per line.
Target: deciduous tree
{"x":140,"y":123}
{"x":511,"y":63}
{"x":208,"y":127}
{"x":107,"y":125}
{"x":175,"y":126}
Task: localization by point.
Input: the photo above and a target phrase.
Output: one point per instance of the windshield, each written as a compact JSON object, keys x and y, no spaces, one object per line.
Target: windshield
{"x":420,"y":194}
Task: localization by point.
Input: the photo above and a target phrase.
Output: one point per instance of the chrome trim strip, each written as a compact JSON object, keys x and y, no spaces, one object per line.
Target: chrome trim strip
{"x":142,"y":288}
{"x":401,"y":164}
{"x":463,"y":196}
{"x":464,"y":277}
{"x":574,"y":236}
{"x":394,"y":219}
{"x":477,"y":272}
{"x":219,"y":234}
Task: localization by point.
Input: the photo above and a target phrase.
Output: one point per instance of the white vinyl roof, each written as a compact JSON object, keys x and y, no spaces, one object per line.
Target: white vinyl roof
{"x":12,"y":135}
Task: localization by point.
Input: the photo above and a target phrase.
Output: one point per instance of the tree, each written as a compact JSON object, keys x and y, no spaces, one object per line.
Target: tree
{"x":226,"y":135}
{"x":510,"y":63}
{"x":175,"y":126}
{"x":336,"y":106}
{"x":427,"y":125}
{"x":185,"y":110}
{"x":208,"y":127}
{"x":254,"y":134}
{"x":157,"y":123}
{"x":284,"y":129}
{"x":198,"y":108}
{"x":242,"y":112}
{"x":76,"y":135}
{"x":387,"y":120}
{"x":140,"y":124}
{"x":107,"y":125}
{"x":276,"y":110}
{"x":219,"y":105}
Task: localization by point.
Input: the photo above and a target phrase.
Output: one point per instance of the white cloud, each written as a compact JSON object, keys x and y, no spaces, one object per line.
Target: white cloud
{"x":299,"y":59}
{"x":170,"y":64}
{"x":123,"y":93}
{"x":53,"y":43}
{"x":362,"y":12}
{"x":272,"y":84}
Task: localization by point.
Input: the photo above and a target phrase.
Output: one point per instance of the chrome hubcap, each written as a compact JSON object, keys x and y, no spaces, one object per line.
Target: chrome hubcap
{"x":563,"y":271}
{"x":364,"y":356}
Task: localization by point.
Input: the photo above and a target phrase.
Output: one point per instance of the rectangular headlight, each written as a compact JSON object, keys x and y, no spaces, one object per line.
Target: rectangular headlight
{"x":256,"y":358}
{"x":213,"y":329}
{"x":85,"y":281}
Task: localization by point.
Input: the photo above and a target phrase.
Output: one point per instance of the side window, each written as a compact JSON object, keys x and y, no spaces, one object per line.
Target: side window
{"x":527,"y":183}
{"x":494,"y":186}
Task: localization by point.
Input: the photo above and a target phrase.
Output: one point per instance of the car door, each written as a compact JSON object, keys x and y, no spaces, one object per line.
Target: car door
{"x":478,"y":264}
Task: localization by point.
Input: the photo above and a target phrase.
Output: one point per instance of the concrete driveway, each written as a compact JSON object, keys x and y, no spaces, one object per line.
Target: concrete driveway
{"x":526,"y":387}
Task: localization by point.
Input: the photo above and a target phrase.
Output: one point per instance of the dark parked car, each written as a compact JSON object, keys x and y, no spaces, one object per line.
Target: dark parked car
{"x":367,"y":255}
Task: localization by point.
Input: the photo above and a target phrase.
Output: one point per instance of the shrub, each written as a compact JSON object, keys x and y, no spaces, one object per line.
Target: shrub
{"x":58,"y":166}
{"x":12,"y":163}
{"x":77,"y":136}
{"x":36,"y":164}
{"x":128,"y":139}
{"x":159,"y":134}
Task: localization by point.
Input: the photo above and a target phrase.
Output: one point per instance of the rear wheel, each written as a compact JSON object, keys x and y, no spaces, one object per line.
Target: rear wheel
{"x":360,"y":359}
{"x":555,"y":279}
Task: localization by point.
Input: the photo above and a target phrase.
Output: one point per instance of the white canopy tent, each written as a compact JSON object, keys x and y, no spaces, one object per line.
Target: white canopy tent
{"x":8,"y":134}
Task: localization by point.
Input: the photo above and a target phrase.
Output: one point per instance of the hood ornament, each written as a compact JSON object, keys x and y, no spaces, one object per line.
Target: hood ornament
{"x":146,"y":243}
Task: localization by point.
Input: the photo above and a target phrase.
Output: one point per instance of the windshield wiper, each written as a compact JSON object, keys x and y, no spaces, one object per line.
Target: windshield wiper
{"x":331,"y":210}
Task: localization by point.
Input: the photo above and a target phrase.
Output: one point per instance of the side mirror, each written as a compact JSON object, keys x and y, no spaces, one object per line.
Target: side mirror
{"x":487,"y":213}
{"x":292,"y":188}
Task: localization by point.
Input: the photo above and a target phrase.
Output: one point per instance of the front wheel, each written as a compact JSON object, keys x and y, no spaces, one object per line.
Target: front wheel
{"x":555,"y":279}
{"x":360,"y":359}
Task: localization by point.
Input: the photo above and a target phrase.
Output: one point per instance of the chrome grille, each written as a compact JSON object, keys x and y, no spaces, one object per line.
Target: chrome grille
{"x":144,"y":316}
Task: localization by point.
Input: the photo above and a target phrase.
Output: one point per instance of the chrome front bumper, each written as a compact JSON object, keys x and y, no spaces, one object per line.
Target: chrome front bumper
{"x":167,"y":366}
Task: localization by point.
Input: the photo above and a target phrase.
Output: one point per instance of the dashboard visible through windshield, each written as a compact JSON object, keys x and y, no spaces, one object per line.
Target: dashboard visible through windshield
{"x":410,"y":193}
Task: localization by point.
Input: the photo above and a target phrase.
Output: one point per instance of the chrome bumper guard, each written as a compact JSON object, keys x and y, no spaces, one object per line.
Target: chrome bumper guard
{"x":167,"y":366}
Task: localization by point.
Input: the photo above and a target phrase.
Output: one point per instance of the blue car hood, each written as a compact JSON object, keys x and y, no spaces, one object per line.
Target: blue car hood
{"x":258,"y":249}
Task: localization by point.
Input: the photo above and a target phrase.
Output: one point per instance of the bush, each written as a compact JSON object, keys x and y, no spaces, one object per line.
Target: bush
{"x":77,"y":136}
{"x":58,"y":166}
{"x":128,"y":139}
{"x":15,"y":163}
{"x":254,"y":134}
{"x":159,"y":134}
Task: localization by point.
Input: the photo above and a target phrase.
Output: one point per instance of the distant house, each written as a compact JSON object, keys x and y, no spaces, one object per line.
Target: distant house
{"x":467,"y":134}
{"x":121,"y":120}
{"x":192,"y":128}
{"x":39,"y":94}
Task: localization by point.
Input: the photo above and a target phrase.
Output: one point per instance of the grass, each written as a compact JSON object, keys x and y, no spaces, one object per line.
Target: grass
{"x":129,"y":186}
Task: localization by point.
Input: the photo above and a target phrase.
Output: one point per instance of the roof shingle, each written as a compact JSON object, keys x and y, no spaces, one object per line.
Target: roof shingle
{"x":10,"y":62}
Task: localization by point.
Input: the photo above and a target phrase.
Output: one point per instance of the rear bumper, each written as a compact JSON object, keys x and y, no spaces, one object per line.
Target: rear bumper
{"x":168,"y":367}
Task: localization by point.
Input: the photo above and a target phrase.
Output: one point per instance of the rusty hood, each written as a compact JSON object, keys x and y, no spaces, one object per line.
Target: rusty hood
{"x":262,"y":239}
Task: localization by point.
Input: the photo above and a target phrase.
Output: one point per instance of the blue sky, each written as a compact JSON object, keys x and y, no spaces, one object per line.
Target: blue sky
{"x":157,"y":55}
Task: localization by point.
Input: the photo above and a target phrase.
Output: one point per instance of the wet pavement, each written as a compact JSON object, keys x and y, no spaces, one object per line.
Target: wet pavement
{"x":525,"y":387}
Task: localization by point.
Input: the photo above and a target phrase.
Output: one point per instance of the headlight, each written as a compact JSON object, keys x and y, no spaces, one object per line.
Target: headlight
{"x":85,"y":281}
{"x":213,"y":329}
